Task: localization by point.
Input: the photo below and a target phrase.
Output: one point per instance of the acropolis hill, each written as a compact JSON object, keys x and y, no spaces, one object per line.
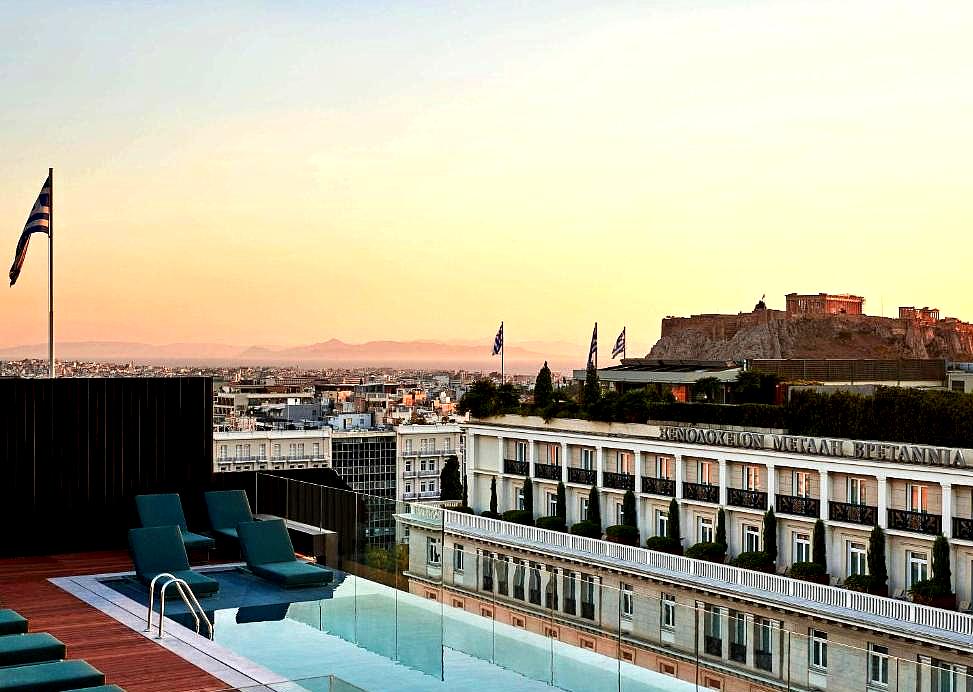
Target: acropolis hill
{"x":815,"y":326}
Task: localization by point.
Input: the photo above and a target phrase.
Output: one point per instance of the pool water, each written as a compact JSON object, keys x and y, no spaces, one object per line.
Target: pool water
{"x":378,"y":638}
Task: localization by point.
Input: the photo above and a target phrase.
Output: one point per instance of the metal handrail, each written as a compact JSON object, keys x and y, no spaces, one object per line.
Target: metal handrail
{"x":162,"y":603}
{"x":192,"y":603}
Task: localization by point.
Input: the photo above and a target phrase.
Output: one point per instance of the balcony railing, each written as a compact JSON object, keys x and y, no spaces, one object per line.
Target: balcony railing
{"x":854,"y":514}
{"x":517,"y":468}
{"x":570,"y":605}
{"x":750,"y":499}
{"x":918,"y":522}
{"x":713,"y":645}
{"x":588,"y":610}
{"x":620,"y":481}
{"x":550,"y":472}
{"x":701,"y":492}
{"x":801,"y":506}
{"x":963,"y":528}
{"x":428,"y":472}
{"x":659,"y":486}
{"x":738,"y":652}
{"x":585,"y":476}
{"x":764,"y":660}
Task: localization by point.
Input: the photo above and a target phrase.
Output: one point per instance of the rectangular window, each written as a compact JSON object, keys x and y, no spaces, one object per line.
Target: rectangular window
{"x":751,"y":538}
{"x":588,"y":459}
{"x":624,"y":462}
{"x":802,"y":484}
{"x":433,"y":556}
{"x":520,"y":497}
{"x":751,"y":478}
{"x":661,"y":522}
{"x":818,"y":655}
{"x":222,"y":451}
{"x":316,"y":449}
{"x":618,"y":513}
{"x":664,"y":468}
{"x":408,"y":488}
{"x":503,"y":567}
{"x":856,"y":491}
{"x":554,"y":454}
{"x":918,"y":567}
{"x":587,"y":596}
{"x":459,"y":558}
{"x":878,"y":665}
{"x":276,"y":451}
{"x":628,"y":601}
{"x":944,"y":677}
{"x":704,"y":529}
{"x":551,"y":504}
{"x":583,"y":508}
{"x":802,"y":547}
{"x":300,"y":450}
{"x":857,"y":558}
{"x":668,"y":611}
{"x":706,"y":472}
{"x":487,"y":571}
{"x":408,"y":445}
{"x":408,"y":465}
{"x":262,"y":451}
{"x":570,"y":594}
{"x":918,"y":497}
{"x":520,"y":451}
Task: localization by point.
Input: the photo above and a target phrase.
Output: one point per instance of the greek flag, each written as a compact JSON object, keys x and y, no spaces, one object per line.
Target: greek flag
{"x":619,"y":344}
{"x":498,"y":341}
{"x":39,"y":221}
{"x":593,"y":350}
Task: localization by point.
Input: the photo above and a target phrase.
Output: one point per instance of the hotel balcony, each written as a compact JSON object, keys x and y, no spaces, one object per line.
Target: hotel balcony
{"x":963,"y":528}
{"x":867,"y":515}
{"x":548,"y":472}
{"x":619,"y":481}
{"x":917,"y":522}
{"x":701,"y":492}
{"x":801,"y":506}
{"x":748,"y":499}
{"x":583,"y":476}
{"x":516,"y":468}
{"x":659,"y":486}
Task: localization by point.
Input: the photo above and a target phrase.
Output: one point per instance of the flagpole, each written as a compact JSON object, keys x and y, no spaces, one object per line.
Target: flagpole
{"x":624,"y":342}
{"x":50,"y":275}
{"x":503,"y":345}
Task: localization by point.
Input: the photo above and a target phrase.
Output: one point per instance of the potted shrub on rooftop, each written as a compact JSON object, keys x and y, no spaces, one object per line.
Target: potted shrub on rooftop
{"x":937,"y":591}
{"x":770,"y":536}
{"x":590,"y":527}
{"x":558,"y":520}
{"x":627,"y":532}
{"x":672,"y":542}
{"x":492,"y":512}
{"x":878,"y":575}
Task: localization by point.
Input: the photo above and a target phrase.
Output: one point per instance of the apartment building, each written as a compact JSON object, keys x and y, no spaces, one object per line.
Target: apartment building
{"x":422,"y":450}
{"x":271,"y":450}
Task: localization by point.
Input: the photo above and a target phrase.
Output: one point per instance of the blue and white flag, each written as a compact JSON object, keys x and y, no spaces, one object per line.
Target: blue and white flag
{"x":39,"y":221}
{"x":619,"y":344}
{"x":593,"y":350}
{"x":498,"y":341}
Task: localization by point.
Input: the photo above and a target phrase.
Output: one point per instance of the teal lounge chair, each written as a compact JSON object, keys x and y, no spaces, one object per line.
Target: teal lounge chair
{"x":36,"y":647}
{"x":159,"y":549}
{"x":166,"y":510}
{"x":227,"y":508}
{"x":54,"y":676}
{"x":269,"y":554}
{"x":12,"y":622}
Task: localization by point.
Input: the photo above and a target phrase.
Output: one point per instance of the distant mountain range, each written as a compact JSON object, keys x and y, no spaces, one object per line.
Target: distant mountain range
{"x":473,"y":355}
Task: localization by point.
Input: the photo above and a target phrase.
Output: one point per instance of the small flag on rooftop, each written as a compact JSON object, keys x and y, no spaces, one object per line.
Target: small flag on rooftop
{"x":619,"y":345}
{"x":39,"y":221}
{"x":498,"y":341}
{"x":593,"y":350}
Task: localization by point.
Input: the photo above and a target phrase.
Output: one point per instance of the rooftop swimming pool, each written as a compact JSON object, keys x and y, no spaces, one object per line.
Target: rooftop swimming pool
{"x":378,"y":638}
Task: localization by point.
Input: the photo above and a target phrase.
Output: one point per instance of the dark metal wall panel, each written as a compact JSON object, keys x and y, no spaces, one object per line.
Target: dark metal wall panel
{"x":74,"y":453}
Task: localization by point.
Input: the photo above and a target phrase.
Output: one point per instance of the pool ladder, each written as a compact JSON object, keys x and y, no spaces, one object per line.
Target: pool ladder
{"x":188,"y":597}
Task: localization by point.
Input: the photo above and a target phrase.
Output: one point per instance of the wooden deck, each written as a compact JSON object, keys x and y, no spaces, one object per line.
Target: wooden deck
{"x":127,"y":658}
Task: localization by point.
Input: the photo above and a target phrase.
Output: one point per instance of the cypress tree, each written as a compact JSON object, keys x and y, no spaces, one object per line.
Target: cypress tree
{"x":819,"y":553}
{"x":876,"y":560}
{"x":594,"y":507}
{"x":629,"y":513}
{"x":543,"y":388}
{"x":941,"y":572}
{"x":466,"y":493}
{"x":721,"y":530}
{"x":770,"y":535}
{"x":592,"y":389}
{"x":562,"y":502}
{"x":450,"y":485}
{"x":529,"y":496}
{"x":673,"y":529}
{"x":493,"y":496}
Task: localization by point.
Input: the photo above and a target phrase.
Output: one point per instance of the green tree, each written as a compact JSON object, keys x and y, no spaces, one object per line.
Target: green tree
{"x":562,"y":502}
{"x":592,"y":388}
{"x":493,"y":496}
{"x":450,"y":485}
{"x":877,"y":569}
{"x":755,"y":387}
{"x":770,"y":535}
{"x":480,"y":400}
{"x":707,"y":389}
{"x":941,"y":572}
{"x":508,"y":400}
{"x":543,"y":388}
{"x":594,"y":507}
{"x":721,"y":529}
{"x":819,"y":554}
{"x":466,"y":493}
{"x":629,"y":513}
{"x":529,"y":496}
{"x":673,"y":528}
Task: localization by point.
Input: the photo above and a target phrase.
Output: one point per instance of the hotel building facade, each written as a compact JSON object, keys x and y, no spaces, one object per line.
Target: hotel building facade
{"x":717,"y":625}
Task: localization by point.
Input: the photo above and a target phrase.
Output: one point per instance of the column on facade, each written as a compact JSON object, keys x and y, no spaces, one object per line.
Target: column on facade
{"x":748,"y":640}
{"x":600,"y":465}
{"x":643,"y":533}
{"x":771,"y":486}
{"x":531,"y":457}
{"x":825,"y":494}
{"x":725,"y":633}
{"x":469,"y":464}
{"x":680,"y":475}
{"x":564,"y":462}
{"x":502,"y":486}
{"x":637,"y":460}
{"x":947,"y":512}
{"x":723,"y":481}
{"x":883,"y":502}
{"x":924,"y":674}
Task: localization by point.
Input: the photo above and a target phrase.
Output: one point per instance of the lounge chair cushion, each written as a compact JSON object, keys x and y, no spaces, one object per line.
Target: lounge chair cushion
{"x":195,"y":541}
{"x":264,"y":542}
{"x":100,"y":688}
{"x":226,"y":509}
{"x":293,"y":573}
{"x":12,"y":622}
{"x":159,"y":549}
{"x":36,"y":647}
{"x":54,"y":676}
{"x":166,"y":510}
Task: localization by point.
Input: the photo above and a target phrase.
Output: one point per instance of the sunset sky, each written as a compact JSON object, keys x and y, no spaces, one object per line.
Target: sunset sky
{"x":259,"y":173}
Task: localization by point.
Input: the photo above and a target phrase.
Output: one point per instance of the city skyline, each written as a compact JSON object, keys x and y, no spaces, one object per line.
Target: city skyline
{"x":243,"y":175}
